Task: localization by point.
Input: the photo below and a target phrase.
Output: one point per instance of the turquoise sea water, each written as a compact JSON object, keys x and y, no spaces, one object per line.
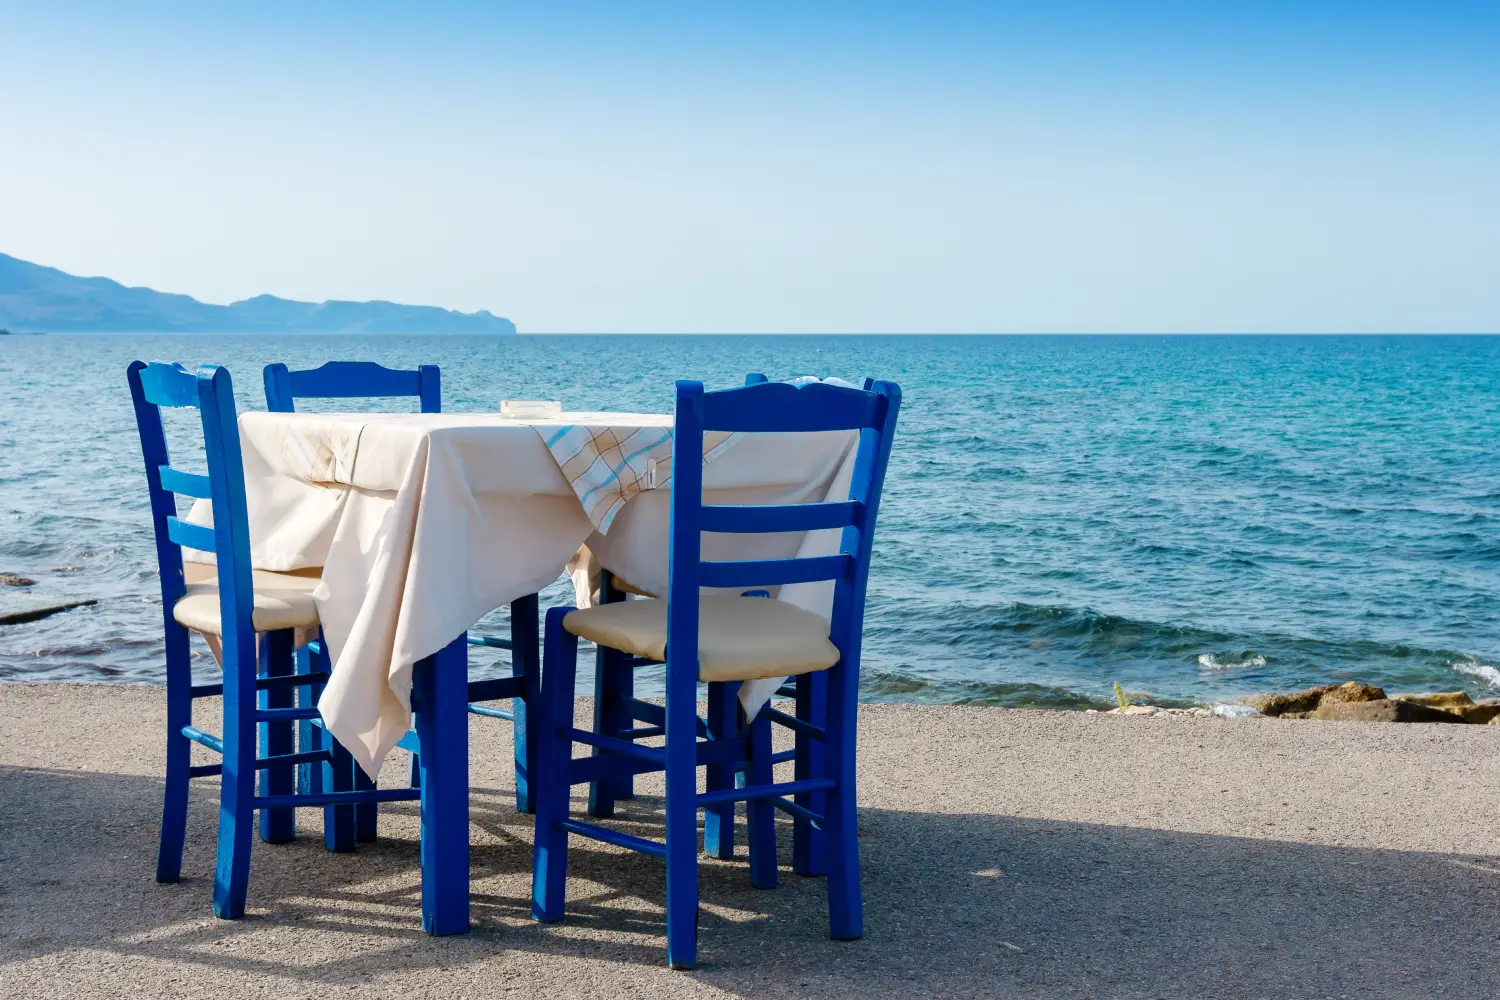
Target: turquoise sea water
{"x":1194,"y":517}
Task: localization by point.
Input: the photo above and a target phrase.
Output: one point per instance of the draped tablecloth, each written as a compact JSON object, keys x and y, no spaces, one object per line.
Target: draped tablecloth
{"x":423,"y":523}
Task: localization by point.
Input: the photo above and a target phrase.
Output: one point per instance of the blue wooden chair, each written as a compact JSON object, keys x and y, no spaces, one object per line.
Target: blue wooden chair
{"x":727,"y":640}
{"x":254,"y":614}
{"x":614,"y":686}
{"x":366,"y":380}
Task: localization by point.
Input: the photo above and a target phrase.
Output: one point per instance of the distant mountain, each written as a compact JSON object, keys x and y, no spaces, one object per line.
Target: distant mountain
{"x":33,"y":297}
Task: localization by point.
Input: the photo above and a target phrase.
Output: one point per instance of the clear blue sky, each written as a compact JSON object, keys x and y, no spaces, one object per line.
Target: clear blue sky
{"x":774,"y":166}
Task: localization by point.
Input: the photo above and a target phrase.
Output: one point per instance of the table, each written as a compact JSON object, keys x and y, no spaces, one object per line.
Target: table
{"x":423,"y":523}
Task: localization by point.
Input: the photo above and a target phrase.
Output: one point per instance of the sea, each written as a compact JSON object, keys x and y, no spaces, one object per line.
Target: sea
{"x":1195,"y":518}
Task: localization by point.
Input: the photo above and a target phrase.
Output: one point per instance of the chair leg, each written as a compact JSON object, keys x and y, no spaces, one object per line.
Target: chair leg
{"x":366,"y":814}
{"x":723,"y":723}
{"x":277,"y":659}
{"x":845,"y":905}
{"x":554,"y":746}
{"x":525,"y":662}
{"x":179,"y":755}
{"x":236,"y":782}
{"x":309,"y":734}
{"x":611,"y":678}
{"x":682,"y":815}
{"x":337,"y":774}
{"x":809,"y":850}
{"x":442,"y":684}
{"x":760,"y":813}
{"x":338,"y":821}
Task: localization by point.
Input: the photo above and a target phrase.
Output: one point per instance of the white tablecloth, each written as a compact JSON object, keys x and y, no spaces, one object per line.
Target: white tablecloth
{"x":423,"y":523}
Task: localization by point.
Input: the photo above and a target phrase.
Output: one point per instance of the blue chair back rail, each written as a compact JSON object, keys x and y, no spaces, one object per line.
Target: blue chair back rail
{"x":758,"y":407}
{"x":362,"y":380}
{"x":351,"y":380}
{"x":258,"y":678}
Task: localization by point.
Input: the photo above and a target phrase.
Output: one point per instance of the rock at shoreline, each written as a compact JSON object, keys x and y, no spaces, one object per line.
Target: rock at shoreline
{"x":1300,"y":704}
{"x":1458,"y":703}
{"x":1383,"y":710}
{"x":15,"y":580}
{"x":37,"y":614}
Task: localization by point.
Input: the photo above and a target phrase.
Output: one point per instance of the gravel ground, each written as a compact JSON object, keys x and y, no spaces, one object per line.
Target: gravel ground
{"x":1005,"y":854}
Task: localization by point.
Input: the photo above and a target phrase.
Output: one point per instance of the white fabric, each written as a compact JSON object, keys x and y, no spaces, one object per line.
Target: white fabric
{"x":423,"y":523}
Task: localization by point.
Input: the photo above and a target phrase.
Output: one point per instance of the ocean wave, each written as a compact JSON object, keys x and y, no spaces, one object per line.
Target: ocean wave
{"x":1247,"y":660}
{"x":1479,"y":670}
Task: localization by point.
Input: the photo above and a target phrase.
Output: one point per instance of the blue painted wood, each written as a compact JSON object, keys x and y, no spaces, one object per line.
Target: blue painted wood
{"x":781,"y":406}
{"x":683,"y":559}
{"x":809,"y":857}
{"x":351,"y":380}
{"x":614,"y":683}
{"x":376,"y":795}
{"x":603,"y":833}
{"x":178,"y":654}
{"x":187,"y":483}
{"x":723,"y":723}
{"x":526,"y":667}
{"x":266,"y":690}
{"x":760,"y":814}
{"x":191,"y":536}
{"x":207,"y":740}
{"x":742,"y":573}
{"x":277,"y":738}
{"x":338,"y":815}
{"x":366,"y":815}
{"x":443,"y":732}
{"x":751,"y":518}
{"x":755,"y":792}
{"x":758,"y":406}
{"x":554,"y":761}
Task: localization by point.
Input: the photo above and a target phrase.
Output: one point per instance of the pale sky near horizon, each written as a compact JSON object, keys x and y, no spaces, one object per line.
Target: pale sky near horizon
{"x":774,"y":167}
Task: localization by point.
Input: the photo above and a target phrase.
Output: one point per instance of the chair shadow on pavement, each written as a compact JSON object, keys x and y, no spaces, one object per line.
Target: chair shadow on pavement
{"x":956,"y":905}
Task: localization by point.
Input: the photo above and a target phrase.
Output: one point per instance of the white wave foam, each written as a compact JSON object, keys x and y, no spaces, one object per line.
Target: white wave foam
{"x":1479,"y":670}
{"x":1208,"y":661}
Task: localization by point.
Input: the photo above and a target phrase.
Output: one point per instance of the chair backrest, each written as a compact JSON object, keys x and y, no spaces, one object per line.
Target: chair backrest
{"x":210,"y":392}
{"x":756,"y":378}
{"x":351,"y":380}
{"x":777,"y":407}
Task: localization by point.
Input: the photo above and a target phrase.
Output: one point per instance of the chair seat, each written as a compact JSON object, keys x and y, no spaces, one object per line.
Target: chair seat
{"x":282,"y":600}
{"x":739,"y":638}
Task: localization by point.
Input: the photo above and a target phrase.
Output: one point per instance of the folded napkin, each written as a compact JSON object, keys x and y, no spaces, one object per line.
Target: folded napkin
{"x":606,"y":465}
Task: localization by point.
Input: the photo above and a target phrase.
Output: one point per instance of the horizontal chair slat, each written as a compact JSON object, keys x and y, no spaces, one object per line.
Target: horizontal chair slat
{"x":203,"y":739}
{"x":264,"y":683}
{"x":655,"y":755}
{"x":615,"y":837}
{"x":496,"y":688}
{"x":493,"y":713}
{"x":793,"y":723}
{"x":308,"y":801}
{"x":310,"y":757}
{"x":749,"y":572}
{"x":761,"y":518}
{"x":287,"y":714}
{"x":493,"y":642}
{"x":780,"y":406}
{"x":656,"y":715}
{"x":800,"y":812}
{"x":584,"y":770}
{"x":764,"y":791}
{"x":190,"y":484}
{"x":205,"y":770}
{"x":188,"y":535}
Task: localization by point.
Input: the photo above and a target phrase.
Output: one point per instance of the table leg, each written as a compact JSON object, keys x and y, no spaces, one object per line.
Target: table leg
{"x":442,"y":684}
